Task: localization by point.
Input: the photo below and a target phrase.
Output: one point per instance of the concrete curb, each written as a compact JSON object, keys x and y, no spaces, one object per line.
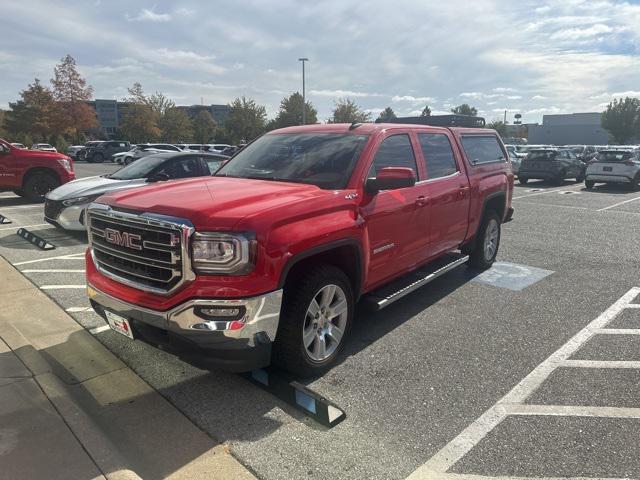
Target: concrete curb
{"x":128,"y":430}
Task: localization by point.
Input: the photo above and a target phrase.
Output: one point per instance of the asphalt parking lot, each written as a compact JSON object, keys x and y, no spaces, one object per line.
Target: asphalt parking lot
{"x":531,"y":369}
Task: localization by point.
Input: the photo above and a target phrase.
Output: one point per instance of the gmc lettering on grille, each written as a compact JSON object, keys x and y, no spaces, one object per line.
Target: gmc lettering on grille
{"x":123,"y":239}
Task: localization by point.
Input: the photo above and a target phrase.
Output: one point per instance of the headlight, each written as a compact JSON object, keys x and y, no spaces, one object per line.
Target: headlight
{"x":66,"y":164}
{"x":222,"y":253}
{"x":79,"y":200}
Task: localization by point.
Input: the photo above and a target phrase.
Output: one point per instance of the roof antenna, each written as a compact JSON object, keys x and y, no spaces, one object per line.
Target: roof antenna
{"x":354,"y":125}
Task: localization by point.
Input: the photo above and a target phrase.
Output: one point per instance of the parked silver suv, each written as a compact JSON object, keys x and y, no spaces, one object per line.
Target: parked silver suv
{"x":615,"y":166}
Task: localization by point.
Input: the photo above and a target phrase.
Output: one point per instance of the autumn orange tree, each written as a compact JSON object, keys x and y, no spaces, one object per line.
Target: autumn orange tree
{"x":70,"y":91}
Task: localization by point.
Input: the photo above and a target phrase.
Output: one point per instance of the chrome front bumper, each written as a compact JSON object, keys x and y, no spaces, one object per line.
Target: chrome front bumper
{"x":261,"y":314}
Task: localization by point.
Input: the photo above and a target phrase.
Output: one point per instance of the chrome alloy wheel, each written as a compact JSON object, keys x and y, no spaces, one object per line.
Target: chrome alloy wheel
{"x":491,"y":240}
{"x":325,"y":322}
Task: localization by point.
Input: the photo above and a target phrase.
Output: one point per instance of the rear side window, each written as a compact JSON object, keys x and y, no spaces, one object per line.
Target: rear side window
{"x":543,"y":155}
{"x":482,"y":149}
{"x":438,"y":155}
{"x":395,"y":151}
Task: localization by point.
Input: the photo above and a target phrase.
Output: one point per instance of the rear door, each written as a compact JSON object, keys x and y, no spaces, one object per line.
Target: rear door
{"x":447,"y":190}
{"x":397,"y":220}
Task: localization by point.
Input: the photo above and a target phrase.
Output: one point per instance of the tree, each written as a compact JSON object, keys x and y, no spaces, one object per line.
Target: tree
{"x":136,"y":94}
{"x":290,"y":112}
{"x":175,"y":126}
{"x":465,"y":109}
{"x":347,"y":111}
{"x":204,"y":127}
{"x":159,"y":103}
{"x":622,"y":119}
{"x":71,"y":92}
{"x":426,"y":111}
{"x":3,"y":132}
{"x":386,"y":115}
{"x":246,"y":120}
{"x":499,"y":126}
{"x":140,"y":124}
{"x":33,"y":113}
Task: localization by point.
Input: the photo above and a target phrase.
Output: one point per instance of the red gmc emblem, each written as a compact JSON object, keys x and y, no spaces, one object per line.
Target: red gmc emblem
{"x":123,"y":239}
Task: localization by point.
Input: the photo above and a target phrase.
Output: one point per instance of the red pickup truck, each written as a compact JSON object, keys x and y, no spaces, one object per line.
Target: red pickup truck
{"x":32,"y":173}
{"x":265,"y":262}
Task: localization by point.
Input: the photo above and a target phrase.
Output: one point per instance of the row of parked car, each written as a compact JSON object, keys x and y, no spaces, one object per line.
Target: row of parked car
{"x":591,"y":164}
{"x":123,"y":152}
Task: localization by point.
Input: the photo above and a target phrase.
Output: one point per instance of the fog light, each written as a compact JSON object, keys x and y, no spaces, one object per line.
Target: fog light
{"x":220,"y":312}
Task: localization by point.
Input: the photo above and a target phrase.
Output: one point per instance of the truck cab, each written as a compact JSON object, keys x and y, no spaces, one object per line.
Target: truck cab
{"x":265,"y":262}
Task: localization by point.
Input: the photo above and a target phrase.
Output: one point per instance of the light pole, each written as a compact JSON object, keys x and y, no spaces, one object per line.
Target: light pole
{"x":304,"y":102}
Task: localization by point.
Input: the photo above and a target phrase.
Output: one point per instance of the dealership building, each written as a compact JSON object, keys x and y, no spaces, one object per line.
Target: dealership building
{"x":569,"y":129}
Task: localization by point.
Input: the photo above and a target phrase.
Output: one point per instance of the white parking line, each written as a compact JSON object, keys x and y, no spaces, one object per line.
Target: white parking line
{"x":102,"y":328}
{"x":53,"y":271}
{"x":16,"y":227}
{"x":62,"y":287}
{"x":619,"y":331}
{"x":79,"y":309}
{"x":618,"y":204}
{"x":437,"y":466}
{"x":16,"y":207}
{"x":553,"y":205}
{"x":600,"y":364}
{"x":573,"y":411}
{"x":72,"y":256}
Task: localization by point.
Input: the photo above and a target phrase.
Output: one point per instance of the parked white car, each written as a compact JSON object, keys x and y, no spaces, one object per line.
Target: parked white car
{"x":18,"y":145}
{"x":143,"y":150}
{"x":64,"y":207}
{"x":73,"y":150}
{"x":620,"y":165}
{"x":45,"y":147}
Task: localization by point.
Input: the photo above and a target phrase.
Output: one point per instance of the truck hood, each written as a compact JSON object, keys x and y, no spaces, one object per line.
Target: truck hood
{"x":91,"y":186}
{"x":38,"y":154}
{"x":215,"y":202}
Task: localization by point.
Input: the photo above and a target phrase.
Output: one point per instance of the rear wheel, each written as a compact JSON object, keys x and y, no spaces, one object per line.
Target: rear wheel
{"x":98,"y":158}
{"x":559,"y":179}
{"x":487,"y":242}
{"x":589,"y":184}
{"x":580,"y":177}
{"x":317,"y":313}
{"x":523,"y":180}
{"x":38,"y":184}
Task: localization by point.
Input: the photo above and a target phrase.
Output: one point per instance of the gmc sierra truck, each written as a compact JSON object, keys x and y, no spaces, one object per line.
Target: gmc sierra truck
{"x":265,"y":261}
{"x":32,"y":173}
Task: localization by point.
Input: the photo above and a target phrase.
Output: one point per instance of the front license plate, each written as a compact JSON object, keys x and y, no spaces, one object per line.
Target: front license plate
{"x":119,"y":324}
{"x":607,"y":169}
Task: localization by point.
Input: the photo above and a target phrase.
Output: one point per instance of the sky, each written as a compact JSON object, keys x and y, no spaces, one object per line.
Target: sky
{"x":527,"y":57}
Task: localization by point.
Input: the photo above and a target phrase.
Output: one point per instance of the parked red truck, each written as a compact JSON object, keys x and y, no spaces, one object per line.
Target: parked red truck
{"x":32,"y":173}
{"x":265,"y":262}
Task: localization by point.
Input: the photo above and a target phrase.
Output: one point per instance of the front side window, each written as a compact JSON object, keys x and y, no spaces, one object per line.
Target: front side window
{"x":324,"y":160}
{"x":394,"y":151}
{"x":438,"y":155}
{"x":181,"y":167}
{"x":482,"y":149}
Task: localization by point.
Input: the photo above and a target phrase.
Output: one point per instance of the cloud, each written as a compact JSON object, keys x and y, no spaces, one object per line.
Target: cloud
{"x":147,"y":15}
{"x":342,"y":93}
{"x":581,"y":33}
{"x":412,"y":99}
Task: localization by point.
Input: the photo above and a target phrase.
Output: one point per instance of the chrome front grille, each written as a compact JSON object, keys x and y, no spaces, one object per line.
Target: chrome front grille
{"x":149,"y":252}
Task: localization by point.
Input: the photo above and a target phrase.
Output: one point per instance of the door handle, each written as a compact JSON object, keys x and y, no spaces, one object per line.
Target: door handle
{"x":463,"y":190}
{"x":421,"y":201}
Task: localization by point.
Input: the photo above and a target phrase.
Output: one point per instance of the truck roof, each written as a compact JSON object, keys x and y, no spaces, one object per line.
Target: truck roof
{"x":369,"y":128}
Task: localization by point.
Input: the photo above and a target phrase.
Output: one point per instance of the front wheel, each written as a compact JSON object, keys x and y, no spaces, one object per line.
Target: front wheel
{"x":317,"y":314}
{"x":580,"y":177}
{"x":38,"y":185}
{"x":589,"y":184}
{"x":522,"y":180}
{"x":487,"y":242}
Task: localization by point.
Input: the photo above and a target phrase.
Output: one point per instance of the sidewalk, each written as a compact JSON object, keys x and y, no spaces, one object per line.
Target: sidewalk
{"x":69,"y":409}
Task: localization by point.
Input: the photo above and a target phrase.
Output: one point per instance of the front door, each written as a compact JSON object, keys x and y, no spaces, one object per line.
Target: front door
{"x":7,"y":167}
{"x":396,"y":219}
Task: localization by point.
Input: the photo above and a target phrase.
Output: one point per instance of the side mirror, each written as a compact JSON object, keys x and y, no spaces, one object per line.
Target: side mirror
{"x":4,"y":149}
{"x":390,"y":178}
{"x":158,"y":177}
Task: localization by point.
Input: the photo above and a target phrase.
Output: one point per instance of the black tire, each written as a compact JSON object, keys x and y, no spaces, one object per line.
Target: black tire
{"x":127,"y":160}
{"x":37,"y":185}
{"x":19,"y":193}
{"x":635,"y":183}
{"x":289,"y":351}
{"x":580,"y":177}
{"x":589,"y":184}
{"x":97,"y":158}
{"x":523,"y":180}
{"x":480,"y":257}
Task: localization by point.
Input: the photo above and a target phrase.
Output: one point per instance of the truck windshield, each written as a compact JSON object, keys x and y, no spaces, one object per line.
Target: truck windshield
{"x":324,"y":160}
{"x":139,"y":169}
